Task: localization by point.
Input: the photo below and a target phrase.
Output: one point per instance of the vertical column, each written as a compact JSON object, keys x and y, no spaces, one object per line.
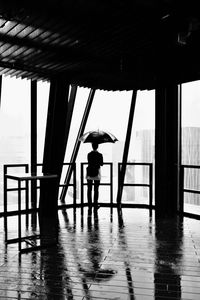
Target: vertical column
{"x":0,"y":87}
{"x":167,"y":149}
{"x":33,"y":141}
{"x":55,"y":145}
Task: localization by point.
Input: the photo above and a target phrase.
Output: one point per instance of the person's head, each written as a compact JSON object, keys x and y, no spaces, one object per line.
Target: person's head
{"x":94,"y":146}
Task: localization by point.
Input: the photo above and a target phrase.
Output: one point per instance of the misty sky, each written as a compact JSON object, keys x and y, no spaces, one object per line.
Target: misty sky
{"x":109,"y":111}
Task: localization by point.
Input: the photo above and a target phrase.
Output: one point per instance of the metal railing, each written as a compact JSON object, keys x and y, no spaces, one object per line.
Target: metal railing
{"x":110,"y":183}
{"x":25,"y":167}
{"x":149,"y":185}
{"x":182,"y":189}
{"x":73,"y":184}
{"x":82,"y":181}
{"x":6,"y":189}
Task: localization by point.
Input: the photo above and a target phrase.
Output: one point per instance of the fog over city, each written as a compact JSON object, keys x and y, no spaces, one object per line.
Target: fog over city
{"x":109,"y":111}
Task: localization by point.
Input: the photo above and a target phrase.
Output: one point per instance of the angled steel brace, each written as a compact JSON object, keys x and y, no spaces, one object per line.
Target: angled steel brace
{"x":70,"y":111}
{"x":77,"y":144}
{"x":126,"y":148}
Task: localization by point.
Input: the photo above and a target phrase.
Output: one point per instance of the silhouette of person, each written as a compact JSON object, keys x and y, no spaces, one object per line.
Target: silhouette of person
{"x":95,"y":161}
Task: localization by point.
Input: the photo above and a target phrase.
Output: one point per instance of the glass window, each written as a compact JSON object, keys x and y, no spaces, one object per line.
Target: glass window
{"x":14,"y":127}
{"x":191,"y":144}
{"x":110,"y":111}
{"x":42,"y":109}
{"x":142,"y":148}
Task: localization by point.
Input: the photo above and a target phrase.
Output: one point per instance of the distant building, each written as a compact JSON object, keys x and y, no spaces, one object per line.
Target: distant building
{"x":191,"y":156}
{"x":142,"y":149}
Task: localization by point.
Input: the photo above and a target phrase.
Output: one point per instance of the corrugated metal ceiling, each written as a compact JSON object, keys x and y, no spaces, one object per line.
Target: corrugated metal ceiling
{"x":113,"y":45}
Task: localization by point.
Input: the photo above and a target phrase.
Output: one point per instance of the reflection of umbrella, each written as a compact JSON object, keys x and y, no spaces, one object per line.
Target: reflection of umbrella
{"x":98,"y":275}
{"x":98,"y":137}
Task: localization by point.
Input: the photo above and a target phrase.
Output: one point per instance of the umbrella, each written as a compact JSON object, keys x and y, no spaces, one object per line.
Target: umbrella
{"x":98,"y":137}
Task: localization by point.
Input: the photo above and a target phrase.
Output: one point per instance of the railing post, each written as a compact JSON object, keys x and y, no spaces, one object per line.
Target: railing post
{"x":111,"y":183}
{"x":119,"y":182}
{"x":181,"y":189}
{"x":33,"y":192}
{"x":82,"y":186}
{"x":19,"y":216}
{"x":151,"y":185}
{"x":74,"y":183}
{"x":5,"y":202}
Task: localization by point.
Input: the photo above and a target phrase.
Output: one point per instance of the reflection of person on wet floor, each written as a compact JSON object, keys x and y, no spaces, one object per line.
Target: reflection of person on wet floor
{"x":95,"y":161}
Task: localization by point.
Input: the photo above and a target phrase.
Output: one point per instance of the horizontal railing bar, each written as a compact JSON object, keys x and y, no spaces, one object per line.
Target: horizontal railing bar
{"x":137,"y":184}
{"x":85,"y":183}
{"x":15,"y":189}
{"x":68,"y":164}
{"x":138,"y":164}
{"x":190,"y":166}
{"x":11,"y":213}
{"x":191,"y":191}
{"x":105,"y":163}
{"x":16,"y":165}
{"x":41,"y":164}
{"x":38,"y":187}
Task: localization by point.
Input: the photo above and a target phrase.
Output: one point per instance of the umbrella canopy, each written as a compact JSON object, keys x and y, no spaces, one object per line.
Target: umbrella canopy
{"x":98,"y":137}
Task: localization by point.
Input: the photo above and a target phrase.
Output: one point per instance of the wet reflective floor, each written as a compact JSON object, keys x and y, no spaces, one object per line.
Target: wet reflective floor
{"x":104,"y":255}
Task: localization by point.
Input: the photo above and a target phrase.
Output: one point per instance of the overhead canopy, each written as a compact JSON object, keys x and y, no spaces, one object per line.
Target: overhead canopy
{"x":103,"y":44}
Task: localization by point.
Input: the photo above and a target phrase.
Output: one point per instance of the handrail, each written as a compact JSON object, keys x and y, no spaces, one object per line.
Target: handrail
{"x":26,"y":166}
{"x":5,"y":188}
{"x":72,"y":165}
{"x":191,"y":166}
{"x":182,"y":189}
{"x":110,"y":183}
{"x":150,"y":184}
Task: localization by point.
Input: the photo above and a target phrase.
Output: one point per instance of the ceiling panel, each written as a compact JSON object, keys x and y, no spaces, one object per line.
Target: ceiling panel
{"x":112,"y":45}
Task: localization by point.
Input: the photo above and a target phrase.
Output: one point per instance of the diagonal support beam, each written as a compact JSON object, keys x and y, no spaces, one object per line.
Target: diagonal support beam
{"x":77,"y":144}
{"x":71,"y":103}
{"x":126,"y":148}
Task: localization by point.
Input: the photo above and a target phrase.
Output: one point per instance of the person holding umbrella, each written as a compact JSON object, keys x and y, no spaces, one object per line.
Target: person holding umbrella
{"x":95,"y":161}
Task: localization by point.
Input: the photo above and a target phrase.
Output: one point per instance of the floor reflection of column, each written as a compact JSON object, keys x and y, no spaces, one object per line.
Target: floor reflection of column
{"x":124,"y":248}
{"x":90,"y":256}
{"x":168,"y":245}
{"x":74,"y":251}
{"x":54,"y":268}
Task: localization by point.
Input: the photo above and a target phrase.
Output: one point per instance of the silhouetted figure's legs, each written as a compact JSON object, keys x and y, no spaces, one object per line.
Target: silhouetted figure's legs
{"x":96,"y":191}
{"x":89,"y":192}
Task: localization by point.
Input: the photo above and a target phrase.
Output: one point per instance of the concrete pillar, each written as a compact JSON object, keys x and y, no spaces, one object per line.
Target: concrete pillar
{"x":167,"y":149}
{"x":55,"y":146}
